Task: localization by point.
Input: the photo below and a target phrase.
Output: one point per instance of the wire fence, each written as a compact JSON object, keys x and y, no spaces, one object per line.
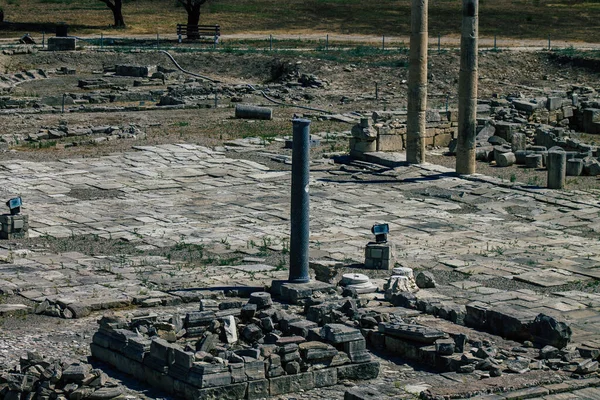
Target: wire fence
{"x":173,"y":42}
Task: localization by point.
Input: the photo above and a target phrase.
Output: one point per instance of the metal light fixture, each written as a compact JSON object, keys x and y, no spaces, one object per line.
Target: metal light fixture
{"x":380,"y":231}
{"x":14,"y":205}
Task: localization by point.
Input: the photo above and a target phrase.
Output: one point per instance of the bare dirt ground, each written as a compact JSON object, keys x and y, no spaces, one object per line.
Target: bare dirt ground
{"x":351,"y":78}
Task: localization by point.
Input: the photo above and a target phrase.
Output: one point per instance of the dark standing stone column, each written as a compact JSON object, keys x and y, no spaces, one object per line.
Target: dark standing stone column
{"x":467,"y":89}
{"x":299,"y":214}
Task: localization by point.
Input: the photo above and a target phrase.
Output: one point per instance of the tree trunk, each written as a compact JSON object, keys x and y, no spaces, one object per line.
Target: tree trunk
{"x":118,"y":14}
{"x":193,"y":20}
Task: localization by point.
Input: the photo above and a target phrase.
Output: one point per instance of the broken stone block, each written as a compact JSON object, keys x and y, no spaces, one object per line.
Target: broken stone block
{"x":485,"y":352}
{"x":461,"y":342}
{"x":549,"y":331}
{"x":534,"y":161}
{"x":518,"y":142}
{"x":282,"y":341}
{"x":317,"y":352}
{"x":255,"y":370}
{"x":357,"y":351}
{"x":301,"y":328}
{"x":230,"y":329}
{"x":587,"y":367}
{"x":590,"y":117}
{"x":208,"y":342}
{"x":425,"y":280}
{"x":338,"y":333}
{"x":137,"y":71}
{"x":529,"y":106}
{"x":412,"y":332}
{"x":518,"y":366}
{"x":321,"y":313}
{"x":588,"y":352}
{"x":229,"y":305}
{"x":553,"y":103}
{"x":261,"y":299}
{"x":574,"y":167}
{"x":368,"y":370}
{"x":258,"y":389}
{"x":510,"y":322}
{"x":248,"y":311}
{"x":520,"y":156}
{"x":325,"y":377}
{"x":291,"y":383}
{"x":199,"y":318}
{"x":506,"y":130}
{"x":291,"y":356}
{"x":252,"y":333}
{"x":76,"y":373}
{"x":548,"y":352}
{"x":292,"y":368}
{"x":445,"y":347}
{"x":591,"y":166}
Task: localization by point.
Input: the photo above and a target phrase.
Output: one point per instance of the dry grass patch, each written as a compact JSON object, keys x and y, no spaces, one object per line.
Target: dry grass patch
{"x":560,"y":19}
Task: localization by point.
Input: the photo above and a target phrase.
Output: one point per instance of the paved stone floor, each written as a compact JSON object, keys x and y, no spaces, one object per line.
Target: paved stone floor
{"x":160,"y":196}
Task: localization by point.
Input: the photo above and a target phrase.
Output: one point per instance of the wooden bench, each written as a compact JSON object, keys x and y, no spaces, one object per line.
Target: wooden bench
{"x":193,"y":32}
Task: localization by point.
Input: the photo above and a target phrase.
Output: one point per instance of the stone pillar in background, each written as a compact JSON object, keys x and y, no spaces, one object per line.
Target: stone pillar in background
{"x":467,"y":89}
{"x":557,"y":169}
{"x":417,"y":84}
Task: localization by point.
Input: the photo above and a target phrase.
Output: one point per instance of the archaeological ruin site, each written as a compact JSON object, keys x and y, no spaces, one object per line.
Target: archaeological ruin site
{"x":309,"y":200}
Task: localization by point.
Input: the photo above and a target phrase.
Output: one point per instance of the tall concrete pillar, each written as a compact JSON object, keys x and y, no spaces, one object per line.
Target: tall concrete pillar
{"x":417,"y":84}
{"x":467,"y":89}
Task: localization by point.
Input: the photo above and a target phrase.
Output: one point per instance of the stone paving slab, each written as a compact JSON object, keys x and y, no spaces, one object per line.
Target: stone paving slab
{"x":159,"y":196}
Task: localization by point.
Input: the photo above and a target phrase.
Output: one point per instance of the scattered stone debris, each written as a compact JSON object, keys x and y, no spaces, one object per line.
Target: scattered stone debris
{"x":38,"y":377}
{"x":425,"y":280}
{"x":99,"y":134}
{"x":232,"y":349}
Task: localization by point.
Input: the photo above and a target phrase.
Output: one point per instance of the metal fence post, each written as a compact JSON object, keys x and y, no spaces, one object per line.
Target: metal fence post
{"x":327,"y":42}
{"x":299,"y":214}
{"x":383,"y":43}
{"x":270,"y":42}
{"x":439,"y":43}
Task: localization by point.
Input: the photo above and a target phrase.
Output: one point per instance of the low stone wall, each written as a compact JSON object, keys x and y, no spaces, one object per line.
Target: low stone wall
{"x":441,"y":127}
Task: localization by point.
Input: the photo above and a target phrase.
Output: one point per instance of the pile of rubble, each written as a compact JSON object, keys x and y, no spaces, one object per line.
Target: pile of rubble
{"x":38,"y":378}
{"x":100,"y":133}
{"x":232,"y":349}
{"x":89,"y":134}
{"x":522,"y":131}
{"x":513,"y":130}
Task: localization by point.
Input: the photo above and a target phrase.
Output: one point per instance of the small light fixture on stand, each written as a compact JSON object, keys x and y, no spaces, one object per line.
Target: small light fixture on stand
{"x":14,"y":225}
{"x":14,"y":205}
{"x":379,"y":254}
